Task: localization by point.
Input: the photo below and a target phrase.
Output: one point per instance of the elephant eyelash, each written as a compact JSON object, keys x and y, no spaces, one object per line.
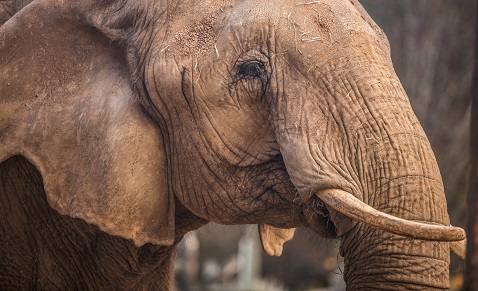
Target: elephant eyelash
{"x":251,"y":70}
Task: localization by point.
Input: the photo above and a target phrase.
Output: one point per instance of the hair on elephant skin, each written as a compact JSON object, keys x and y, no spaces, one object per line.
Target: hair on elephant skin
{"x":126,"y":124}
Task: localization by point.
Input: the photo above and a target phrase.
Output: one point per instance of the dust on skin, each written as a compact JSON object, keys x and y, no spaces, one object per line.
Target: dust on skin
{"x":333,"y":25}
{"x":197,"y":38}
{"x":199,"y":35}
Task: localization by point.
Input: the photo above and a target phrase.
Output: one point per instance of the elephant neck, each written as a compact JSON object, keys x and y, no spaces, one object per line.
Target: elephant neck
{"x":52,"y":251}
{"x":185,"y":220}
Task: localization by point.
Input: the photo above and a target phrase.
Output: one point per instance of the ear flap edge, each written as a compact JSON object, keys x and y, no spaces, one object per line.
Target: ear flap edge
{"x":70,"y":110}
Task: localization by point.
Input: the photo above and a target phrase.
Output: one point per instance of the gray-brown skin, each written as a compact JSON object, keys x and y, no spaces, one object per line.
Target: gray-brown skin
{"x":148,"y":118}
{"x":8,"y":8}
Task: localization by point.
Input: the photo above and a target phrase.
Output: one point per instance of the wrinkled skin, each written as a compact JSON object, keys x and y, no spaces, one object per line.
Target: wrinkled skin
{"x":147,"y":119}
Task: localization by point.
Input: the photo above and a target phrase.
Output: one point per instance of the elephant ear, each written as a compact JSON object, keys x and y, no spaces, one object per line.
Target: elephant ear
{"x":273,"y":238}
{"x":66,"y":104}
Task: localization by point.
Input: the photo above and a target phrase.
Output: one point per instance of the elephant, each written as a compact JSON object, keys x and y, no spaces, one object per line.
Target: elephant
{"x":126,"y":124}
{"x":8,"y":8}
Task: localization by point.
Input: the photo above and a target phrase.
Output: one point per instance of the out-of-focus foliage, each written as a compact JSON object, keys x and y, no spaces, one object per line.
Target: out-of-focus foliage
{"x":432,"y":50}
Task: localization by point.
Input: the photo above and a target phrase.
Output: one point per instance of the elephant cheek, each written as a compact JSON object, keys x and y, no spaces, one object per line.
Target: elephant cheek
{"x":298,"y":161}
{"x":310,"y":170}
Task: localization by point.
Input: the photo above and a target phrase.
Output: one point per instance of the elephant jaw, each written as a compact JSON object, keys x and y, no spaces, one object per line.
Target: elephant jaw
{"x":273,"y":238}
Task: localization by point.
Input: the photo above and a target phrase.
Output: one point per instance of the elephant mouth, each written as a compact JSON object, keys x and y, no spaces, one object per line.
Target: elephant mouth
{"x":346,"y":204}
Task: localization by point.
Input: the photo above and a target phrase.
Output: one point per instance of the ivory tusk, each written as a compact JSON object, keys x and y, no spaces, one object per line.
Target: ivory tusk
{"x":352,"y":207}
{"x":459,"y":248}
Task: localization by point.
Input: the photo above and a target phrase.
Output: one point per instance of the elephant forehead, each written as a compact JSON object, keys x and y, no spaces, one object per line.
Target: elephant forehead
{"x":196,"y":28}
{"x":328,"y":22}
{"x":196,"y":37}
{"x":194,"y":25}
{"x":302,"y":22}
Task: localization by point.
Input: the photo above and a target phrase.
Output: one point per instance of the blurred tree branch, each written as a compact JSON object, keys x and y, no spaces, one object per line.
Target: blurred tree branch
{"x":472,"y":198}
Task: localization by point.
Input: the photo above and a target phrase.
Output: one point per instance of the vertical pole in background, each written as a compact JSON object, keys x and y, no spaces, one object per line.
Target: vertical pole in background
{"x":472,"y":196}
{"x":249,"y":260}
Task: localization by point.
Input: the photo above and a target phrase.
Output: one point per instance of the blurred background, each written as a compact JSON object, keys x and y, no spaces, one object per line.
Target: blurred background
{"x":432,"y":49}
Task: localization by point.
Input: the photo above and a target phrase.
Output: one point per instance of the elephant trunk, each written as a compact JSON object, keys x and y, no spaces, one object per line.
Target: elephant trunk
{"x":403,"y":182}
{"x":379,"y":259}
{"x":364,"y":140}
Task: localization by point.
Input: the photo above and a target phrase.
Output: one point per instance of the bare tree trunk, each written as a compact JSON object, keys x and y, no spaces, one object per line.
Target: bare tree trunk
{"x":472,"y":198}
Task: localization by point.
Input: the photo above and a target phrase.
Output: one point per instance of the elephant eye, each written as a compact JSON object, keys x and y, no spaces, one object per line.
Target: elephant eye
{"x":252,"y":77}
{"x":251,"y":69}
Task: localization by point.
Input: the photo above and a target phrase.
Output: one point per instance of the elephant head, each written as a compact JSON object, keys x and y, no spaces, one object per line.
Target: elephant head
{"x":281,"y":113}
